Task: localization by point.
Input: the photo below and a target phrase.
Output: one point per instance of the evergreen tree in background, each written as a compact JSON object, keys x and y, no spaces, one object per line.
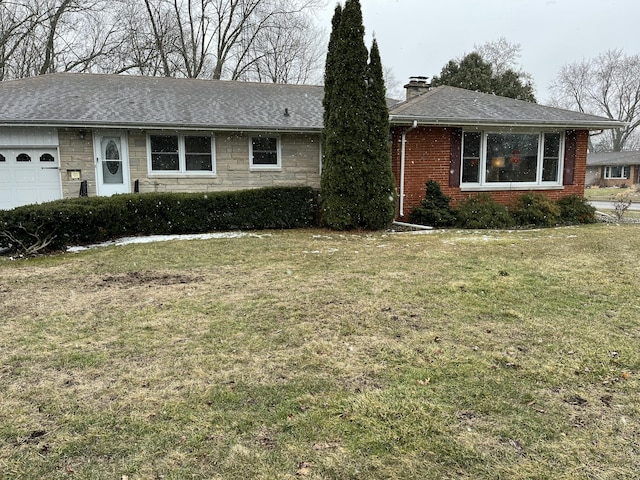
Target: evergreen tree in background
{"x":474,"y":73}
{"x":357,"y":184}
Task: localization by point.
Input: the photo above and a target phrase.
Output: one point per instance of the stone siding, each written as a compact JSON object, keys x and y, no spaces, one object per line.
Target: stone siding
{"x":300,"y":164}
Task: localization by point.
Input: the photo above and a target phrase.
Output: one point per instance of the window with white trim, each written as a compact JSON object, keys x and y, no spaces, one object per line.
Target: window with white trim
{"x":616,"y":172}
{"x":264,"y":152}
{"x":495,"y":159}
{"x":181,"y":154}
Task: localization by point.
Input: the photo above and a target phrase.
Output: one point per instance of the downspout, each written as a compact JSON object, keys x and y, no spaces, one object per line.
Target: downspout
{"x":402,"y":162}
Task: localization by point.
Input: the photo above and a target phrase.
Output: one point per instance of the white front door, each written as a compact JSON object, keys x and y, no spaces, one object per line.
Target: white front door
{"x":112,"y":163}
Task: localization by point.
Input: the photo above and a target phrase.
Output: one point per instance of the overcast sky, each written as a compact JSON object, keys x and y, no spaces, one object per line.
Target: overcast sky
{"x":418,"y":37}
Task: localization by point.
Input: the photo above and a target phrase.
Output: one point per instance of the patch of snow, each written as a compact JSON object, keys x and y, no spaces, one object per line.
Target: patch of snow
{"x":165,"y":238}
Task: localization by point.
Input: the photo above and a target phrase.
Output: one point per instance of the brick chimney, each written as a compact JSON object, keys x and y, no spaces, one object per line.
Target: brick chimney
{"x":417,"y":86}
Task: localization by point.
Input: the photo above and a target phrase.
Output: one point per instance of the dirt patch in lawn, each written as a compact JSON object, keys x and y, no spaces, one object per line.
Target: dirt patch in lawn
{"x":149,"y":278}
{"x":36,"y":291}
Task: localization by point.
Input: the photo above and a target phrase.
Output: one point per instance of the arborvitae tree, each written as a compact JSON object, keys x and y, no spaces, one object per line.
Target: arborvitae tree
{"x":349,"y":170}
{"x":330,"y":68}
{"x":380,"y":191}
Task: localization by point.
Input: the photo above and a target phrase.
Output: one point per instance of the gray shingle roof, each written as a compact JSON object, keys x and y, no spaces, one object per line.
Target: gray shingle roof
{"x":614,"y":158}
{"x":133,"y":101}
{"x":74,"y":99}
{"x":446,"y":105}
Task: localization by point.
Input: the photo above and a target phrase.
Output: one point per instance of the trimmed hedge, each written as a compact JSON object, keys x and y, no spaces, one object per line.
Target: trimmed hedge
{"x":82,"y":221}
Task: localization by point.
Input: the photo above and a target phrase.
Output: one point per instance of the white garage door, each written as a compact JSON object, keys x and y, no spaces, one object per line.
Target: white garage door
{"x":29,"y":175}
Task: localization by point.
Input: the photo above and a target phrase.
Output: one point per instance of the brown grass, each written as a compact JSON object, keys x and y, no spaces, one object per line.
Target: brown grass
{"x":314,"y":354}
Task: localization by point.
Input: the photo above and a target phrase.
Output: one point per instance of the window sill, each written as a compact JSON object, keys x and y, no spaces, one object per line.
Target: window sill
{"x":508,"y":188}
{"x":181,"y":175}
{"x":265,"y":169}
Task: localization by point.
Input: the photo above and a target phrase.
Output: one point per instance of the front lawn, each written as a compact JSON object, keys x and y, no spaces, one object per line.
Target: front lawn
{"x":315,"y":354}
{"x":610,"y":194}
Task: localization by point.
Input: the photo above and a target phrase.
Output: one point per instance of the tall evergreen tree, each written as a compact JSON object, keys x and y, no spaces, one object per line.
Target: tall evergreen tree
{"x":350,"y":174}
{"x":330,"y":68}
{"x":381,"y":185}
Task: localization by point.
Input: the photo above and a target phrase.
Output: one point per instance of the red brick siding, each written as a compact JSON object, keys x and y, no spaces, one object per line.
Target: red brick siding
{"x":428,"y":155}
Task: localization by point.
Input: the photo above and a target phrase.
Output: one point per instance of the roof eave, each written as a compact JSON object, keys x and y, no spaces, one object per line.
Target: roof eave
{"x":398,"y":120}
{"x":159,"y":126}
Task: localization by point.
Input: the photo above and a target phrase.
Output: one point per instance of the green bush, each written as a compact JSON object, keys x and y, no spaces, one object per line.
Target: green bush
{"x":574,"y":209}
{"x":434,"y":209}
{"x":82,"y":221}
{"x":482,"y":211}
{"x":535,"y":209}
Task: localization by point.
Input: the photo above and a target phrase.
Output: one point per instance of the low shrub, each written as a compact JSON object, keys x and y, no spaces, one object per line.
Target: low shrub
{"x":482,"y":211}
{"x":81,"y":221}
{"x":535,"y":209}
{"x":434,"y":209}
{"x":574,"y":210}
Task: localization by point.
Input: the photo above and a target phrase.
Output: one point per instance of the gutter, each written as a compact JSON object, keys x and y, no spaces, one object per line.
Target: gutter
{"x":160,"y":127}
{"x":396,"y":120}
{"x":402,"y":162}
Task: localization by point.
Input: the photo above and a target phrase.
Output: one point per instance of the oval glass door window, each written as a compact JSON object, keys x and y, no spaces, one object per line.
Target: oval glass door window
{"x":111,"y":163}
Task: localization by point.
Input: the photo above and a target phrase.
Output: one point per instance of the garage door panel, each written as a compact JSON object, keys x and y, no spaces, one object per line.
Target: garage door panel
{"x":35,"y":181}
{"x":25,"y":176}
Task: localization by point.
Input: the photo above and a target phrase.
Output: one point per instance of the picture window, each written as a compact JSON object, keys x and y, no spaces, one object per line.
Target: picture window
{"x":507,"y":158}
{"x":616,"y":172}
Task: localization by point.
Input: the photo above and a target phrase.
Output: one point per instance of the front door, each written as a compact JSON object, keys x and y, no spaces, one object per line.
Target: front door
{"x":112,"y":163}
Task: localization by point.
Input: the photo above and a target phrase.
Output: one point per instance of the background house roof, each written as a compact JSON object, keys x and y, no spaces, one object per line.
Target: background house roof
{"x":446,"y":105}
{"x":613,"y":158}
{"x":73,"y":99}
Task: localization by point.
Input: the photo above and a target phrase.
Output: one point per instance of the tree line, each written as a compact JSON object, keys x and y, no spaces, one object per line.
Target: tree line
{"x":257,"y":40}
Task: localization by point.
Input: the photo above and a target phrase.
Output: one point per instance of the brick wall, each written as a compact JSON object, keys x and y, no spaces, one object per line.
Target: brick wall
{"x":427,"y":157}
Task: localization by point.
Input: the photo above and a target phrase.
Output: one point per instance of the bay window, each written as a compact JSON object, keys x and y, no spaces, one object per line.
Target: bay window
{"x":181,"y":154}
{"x":501,"y":159}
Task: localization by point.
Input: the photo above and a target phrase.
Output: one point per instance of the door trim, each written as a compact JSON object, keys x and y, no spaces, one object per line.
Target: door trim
{"x":101,"y":188}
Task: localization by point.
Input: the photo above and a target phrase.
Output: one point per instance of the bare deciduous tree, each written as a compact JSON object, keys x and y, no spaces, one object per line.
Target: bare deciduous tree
{"x":287,"y":53}
{"x":501,"y":55}
{"x":17,"y":23}
{"x":271,"y":40}
{"x":46,"y":36}
{"x":607,"y":85}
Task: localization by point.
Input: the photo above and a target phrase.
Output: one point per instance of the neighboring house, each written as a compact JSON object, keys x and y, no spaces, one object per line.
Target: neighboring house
{"x":63,"y":134}
{"x":613,"y":169}
{"x":472,"y":142}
